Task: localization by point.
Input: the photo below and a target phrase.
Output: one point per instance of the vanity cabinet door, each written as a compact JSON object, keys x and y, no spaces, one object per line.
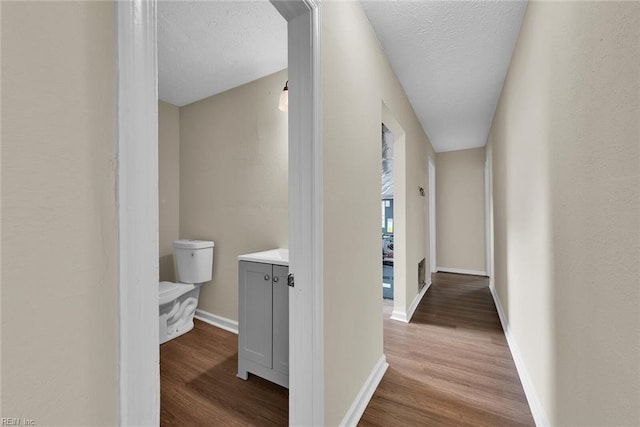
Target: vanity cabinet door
{"x":256,"y":313}
{"x":280,"y":319}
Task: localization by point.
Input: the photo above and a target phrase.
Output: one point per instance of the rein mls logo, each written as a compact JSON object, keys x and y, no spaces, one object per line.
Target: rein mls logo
{"x":17,"y":422}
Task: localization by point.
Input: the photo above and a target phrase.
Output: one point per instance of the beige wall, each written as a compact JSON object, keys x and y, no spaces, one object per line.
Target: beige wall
{"x":566,"y":184}
{"x":355,"y":69}
{"x":59,"y":263}
{"x":233,"y":180}
{"x":460,"y":222}
{"x":168,"y":185}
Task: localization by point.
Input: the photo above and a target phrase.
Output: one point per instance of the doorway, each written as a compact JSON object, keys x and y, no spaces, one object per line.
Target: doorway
{"x":397,"y":136}
{"x":387,"y":193}
{"x":221,"y":65}
{"x":137,"y":192}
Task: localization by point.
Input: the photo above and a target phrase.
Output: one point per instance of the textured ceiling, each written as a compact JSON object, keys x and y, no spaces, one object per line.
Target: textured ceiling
{"x":451,"y":58}
{"x":207,"y":47}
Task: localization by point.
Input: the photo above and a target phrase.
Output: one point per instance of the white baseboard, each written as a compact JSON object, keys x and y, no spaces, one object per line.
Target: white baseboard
{"x":406,"y":316}
{"x":218,"y":321}
{"x":399,"y":315}
{"x":537,"y":410}
{"x":462,"y":271}
{"x":365,"y":394}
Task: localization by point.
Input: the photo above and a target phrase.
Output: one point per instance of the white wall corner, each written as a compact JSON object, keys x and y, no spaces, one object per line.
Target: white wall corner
{"x":357,"y":408}
{"x":537,"y":410}
{"x":306,"y":370}
{"x":405,"y":317}
{"x":217,"y":321}
{"x":400,"y":316}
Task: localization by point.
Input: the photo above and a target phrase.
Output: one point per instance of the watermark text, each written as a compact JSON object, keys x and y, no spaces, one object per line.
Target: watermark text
{"x":8,"y":421}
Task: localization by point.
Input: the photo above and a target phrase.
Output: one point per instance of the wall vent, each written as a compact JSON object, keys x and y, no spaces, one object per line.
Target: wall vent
{"x":422,"y":278}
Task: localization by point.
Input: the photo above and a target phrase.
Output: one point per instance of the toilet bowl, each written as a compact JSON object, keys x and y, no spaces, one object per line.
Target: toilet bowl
{"x":178,"y":301}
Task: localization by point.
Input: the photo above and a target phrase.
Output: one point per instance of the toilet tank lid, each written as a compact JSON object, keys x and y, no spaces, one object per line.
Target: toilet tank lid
{"x":192,"y":244}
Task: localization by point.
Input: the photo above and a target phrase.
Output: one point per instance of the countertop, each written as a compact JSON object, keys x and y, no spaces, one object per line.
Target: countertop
{"x":274,"y":256}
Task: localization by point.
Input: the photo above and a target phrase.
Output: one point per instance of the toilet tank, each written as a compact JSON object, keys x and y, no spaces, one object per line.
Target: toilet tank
{"x":194,"y":260}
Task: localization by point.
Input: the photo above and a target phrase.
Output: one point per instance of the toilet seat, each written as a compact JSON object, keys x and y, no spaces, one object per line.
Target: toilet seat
{"x":169,"y":291}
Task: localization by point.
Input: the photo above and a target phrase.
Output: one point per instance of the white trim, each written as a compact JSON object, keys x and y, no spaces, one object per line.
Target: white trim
{"x":399,"y":315}
{"x":365,"y":394}
{"x":137,"y":195}
{"x":462,"y":271}
{"x":406,"y":317}
{"x":317,"y":364}
{"x":416,"y":300}
{"x":399,"y":208}
{"x":432,"y":215}
{"x":487,"y":216}
{"x":537,"y":410}
{"x":306,"y":345}
{"x":217,"y":321}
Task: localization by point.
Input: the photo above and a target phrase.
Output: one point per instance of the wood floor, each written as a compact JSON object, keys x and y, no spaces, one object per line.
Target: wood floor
{"x":449,"y":367}
{"x":199,"y":387}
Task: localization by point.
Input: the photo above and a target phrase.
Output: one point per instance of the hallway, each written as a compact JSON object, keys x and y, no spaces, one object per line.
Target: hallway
{"x":451,"y":365}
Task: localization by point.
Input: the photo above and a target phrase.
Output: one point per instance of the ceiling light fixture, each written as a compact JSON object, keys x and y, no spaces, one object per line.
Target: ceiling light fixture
{"x":283,"y":105}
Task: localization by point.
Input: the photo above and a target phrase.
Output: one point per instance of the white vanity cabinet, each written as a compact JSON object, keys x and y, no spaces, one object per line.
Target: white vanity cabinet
{"x":263,"y":317}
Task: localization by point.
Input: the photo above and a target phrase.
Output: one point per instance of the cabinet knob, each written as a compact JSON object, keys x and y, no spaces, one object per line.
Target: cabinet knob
{"x":275,"y":278}
{"x":266,"y":277}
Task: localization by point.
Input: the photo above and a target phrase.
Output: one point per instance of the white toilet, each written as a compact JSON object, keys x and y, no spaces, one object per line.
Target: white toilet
{"x":178,"y":301}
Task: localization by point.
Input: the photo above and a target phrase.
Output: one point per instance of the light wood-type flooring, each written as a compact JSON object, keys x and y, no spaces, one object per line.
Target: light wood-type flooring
{"x":449,"y":367}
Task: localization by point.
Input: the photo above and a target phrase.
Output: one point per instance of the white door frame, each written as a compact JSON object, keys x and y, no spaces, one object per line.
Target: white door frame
{"x":137,"y":195}
{"x":306,"y":336}
{"x":137,"y":188}
{"x":488,"y":229}
{"x":487,"y":217}
{"x":432,"y":215}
